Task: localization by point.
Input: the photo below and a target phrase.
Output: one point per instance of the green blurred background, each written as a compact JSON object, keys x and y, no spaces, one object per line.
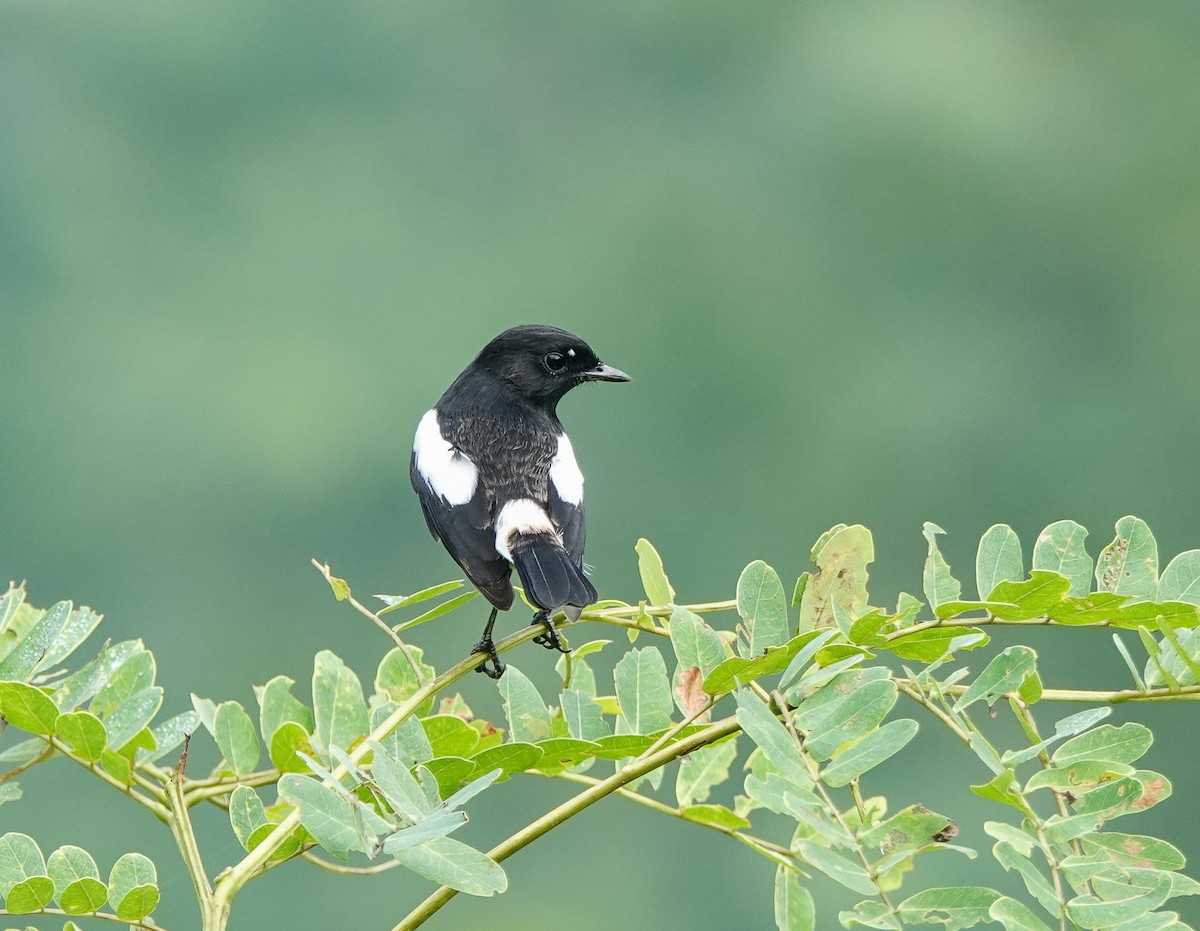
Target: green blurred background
{"x":865,"y":262}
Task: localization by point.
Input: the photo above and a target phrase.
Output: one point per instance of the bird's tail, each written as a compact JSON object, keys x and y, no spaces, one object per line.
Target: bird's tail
{"x":550,"y":578}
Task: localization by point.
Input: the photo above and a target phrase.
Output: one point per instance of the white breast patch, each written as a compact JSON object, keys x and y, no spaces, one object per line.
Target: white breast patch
{"x":446,"y":470}
{"x":565,"y":474}
{"x":521,"y":515}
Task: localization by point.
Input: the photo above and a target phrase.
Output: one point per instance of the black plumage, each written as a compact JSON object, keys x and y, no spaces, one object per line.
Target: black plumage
{"x":497,"y":477}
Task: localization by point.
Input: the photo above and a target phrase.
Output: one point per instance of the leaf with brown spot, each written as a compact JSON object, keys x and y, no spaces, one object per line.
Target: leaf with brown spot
{"x":690,"y":690}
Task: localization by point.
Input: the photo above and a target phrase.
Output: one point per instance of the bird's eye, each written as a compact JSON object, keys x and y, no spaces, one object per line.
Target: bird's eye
{"x":555,"y":361}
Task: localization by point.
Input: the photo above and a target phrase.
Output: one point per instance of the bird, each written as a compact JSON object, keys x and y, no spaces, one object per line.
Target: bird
{"x":497,"y":478}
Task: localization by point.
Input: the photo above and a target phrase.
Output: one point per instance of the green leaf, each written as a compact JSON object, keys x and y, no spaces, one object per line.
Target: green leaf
{"x":939,"y":585}
{"x":27,"y":655}
{"x":1112,"y":798}
{"x":1129,"y":565}
{"x":561,"y":753}
{"x":29,"y":896}
{"x":235,"y":736}
{"x":135,"y":674}
{"x":84,"y":733}
{"x":859,"y":757}
{"x":717,"y":815}
{"x":339,"y":709}
{"x":1135,"y":900}
{"x":289,"y":739}
{"x":582,"y":714}
{"x":1015,"y":916}
{"x":835,"y":866}
{"x":20,"y":860}
{"x":450,"y":604}
{"x":448,"y":862}
{"x":1122,"y":744}
{"x":910,"y":828}
{"x":27,"y":707}
{"x":246,"y":814}
{"x":395,"y":602}
{"x":1096,"y":608}
{"x":1148,"y":613}
{"x":842,"y":555}
{"x":794,"y":909}
{"x":168,"y":735}
{"x":1181,"y":579}
{"x":277,"y":706}
{"x":1134,"y":850}
{"x":737,"y":671}
{"x":133,"y":887}
{"x":703,"y":769}
{"x":1000,"y":789}
{"x":436,"y":825}
{"x":10,"y":791}
{"x":398,"y":786}
{"x":408,"y":743}
{"x":654,"y":577}
{"x":870,"y":913}
{"x":954,"y":906}
{"x":1037,"y":595}
{"x":397,"y":680}
{"x":508,"y":758}
{"x":643,"y":691}
{"x":833,"y":717}
{"x":763,"y":609}
{"x":526,"y":712}
{"x":1060,"y":548}
{"x":1006,"y":673}
{"x":935,"y":643}
{"x":1077,"y":777}
{"x":338,"y":824}
{"x":997,"y":560}
{"x":132,"y":716}
{"x":695,"y":643}
{"x":777,"y":745}
{"x":78,"y":627}
{"x":450,"y":735}
{"x":77,"y":884}
{"x":1036,"y":884}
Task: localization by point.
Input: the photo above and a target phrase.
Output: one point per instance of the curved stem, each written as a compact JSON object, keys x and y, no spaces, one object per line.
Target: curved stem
{"x":146,"y":924}
{"x":574,"y":806}
{"x":655,"y":805}
{"x":348,"y":870}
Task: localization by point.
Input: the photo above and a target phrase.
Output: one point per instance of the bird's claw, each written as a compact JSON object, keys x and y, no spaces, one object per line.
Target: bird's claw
{"x":550,"y":638}
{"x":496,"y":670}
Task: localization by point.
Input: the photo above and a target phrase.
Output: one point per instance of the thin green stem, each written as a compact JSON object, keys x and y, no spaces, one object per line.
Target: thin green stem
{"x":348,"y":870}
{"x":180,"y":823}
{"x":231,"y":882}
{"x":574,"y":806}
{"x":815,"y":770}
{"x":655,"y":805}
{"x":375,"y":619}
{"x":145,"y":924}
{"x":155,"y":807}
{"x":24,"y":767}
{"x":674,"y":732}
{"x":194,"y":794}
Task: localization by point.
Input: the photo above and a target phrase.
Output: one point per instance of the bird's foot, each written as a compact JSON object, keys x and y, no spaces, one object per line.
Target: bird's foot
{"x":496,"y":670}
{"x":550,"y":639}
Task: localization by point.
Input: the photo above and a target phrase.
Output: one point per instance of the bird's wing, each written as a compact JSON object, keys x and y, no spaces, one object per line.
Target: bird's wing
{"x":458,"y":509}
{"x":565,"y":499}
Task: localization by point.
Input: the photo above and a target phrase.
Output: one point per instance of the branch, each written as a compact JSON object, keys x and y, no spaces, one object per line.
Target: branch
{"x":574,"y":806}
{"x":145,"y":923}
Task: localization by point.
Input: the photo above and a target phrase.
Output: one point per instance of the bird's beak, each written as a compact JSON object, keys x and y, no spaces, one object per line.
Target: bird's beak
{"x":604,"y":372}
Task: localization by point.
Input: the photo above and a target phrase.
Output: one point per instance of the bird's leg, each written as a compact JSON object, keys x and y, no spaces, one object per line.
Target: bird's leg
{"x":485,"y":645}
{"x":550,"y":639}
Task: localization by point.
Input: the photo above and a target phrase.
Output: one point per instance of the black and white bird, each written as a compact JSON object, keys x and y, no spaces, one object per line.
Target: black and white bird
{"x":498,"y":480}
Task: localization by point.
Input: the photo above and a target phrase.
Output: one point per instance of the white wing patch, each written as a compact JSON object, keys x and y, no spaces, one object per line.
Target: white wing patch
{"x":446,"y":470}
{"x":521,"y":515}
{"x":565,"y":474}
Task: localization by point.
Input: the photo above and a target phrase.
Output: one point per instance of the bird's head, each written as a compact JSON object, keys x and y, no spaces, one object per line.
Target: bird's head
{"x":543,"y":362}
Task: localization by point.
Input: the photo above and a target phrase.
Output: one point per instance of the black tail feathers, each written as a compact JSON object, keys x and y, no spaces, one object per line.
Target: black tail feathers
{"x":550,"y":578}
